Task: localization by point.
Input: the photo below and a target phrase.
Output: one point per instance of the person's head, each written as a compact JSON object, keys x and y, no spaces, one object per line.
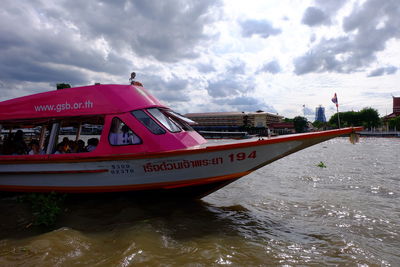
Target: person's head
{"x":115,"y":123}
{"x":34,"y":145}
{"x":65,"y":140}
{"x":93,"y":142}
{"x":62,"y":148}
{"x":19,"y":135}
{"x":125,"y":129}
{"x":80,"y":143}
{"x":73,"y":145}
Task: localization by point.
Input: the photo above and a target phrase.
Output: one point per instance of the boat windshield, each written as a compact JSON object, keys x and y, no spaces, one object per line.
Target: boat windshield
{"x":172,"y":121}
{"x":181,"y":117}
{"x":147,"y":121}
{"x":164,"y":120}
{"x":180,"y":120}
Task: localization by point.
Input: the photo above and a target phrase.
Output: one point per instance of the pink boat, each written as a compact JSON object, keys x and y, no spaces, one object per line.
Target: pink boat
{"x":142,"y":145}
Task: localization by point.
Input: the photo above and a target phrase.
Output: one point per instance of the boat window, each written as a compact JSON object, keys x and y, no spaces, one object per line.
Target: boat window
{"x":180,"y":120}
{"x":164,"y":120}
{"x":20,"y":140}
{"x":121,"y":134}
{"x":147,"y":121}
{"x":79,"y":135}
{"x":181,"y":117}
{"x":46,"y":136}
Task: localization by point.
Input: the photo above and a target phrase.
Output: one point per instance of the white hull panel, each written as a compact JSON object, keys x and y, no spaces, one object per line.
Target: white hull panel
{"x":143,"y":171}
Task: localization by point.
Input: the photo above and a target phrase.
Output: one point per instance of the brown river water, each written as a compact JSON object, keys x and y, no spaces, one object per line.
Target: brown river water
{"x":289,"y":213}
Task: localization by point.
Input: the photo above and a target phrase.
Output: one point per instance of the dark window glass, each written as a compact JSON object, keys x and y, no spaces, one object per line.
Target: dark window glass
{"x":121,"y":134}
{"x":147,"y":121}
{"x":182,"y":121}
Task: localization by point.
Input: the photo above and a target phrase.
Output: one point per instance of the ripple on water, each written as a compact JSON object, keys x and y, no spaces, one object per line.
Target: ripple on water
{"x":290,"y":212}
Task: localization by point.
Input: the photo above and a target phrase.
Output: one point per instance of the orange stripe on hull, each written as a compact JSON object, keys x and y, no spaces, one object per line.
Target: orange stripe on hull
{"x":121,"y":188}
{"x":55,"y":172}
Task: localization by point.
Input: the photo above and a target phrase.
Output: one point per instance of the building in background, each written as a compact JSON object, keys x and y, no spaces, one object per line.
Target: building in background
{"x":394,"y":114}
{"x":281,"y":128}
{"x":254,"y":122}
{"x":396,"y":105}
{"x":320,"y":114}
{"x":396,"y":109}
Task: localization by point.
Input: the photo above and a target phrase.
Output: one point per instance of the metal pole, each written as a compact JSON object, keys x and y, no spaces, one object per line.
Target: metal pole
{"x":338,"y":117}
{"x":78,"y":133}
{"x":53,"y":136}
{"x":42,"y":137}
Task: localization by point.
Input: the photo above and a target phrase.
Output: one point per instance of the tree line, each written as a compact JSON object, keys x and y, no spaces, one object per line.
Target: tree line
{"x":367,"y":117}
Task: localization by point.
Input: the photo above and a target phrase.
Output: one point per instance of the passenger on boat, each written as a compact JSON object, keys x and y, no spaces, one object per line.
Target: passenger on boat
{"x":19,"y":145}
{"x":80,"y":146}
{"x":8,"y":145}
{"x":35,"y":148}
{"x":65,"y":140}
{"x":65,"y":145}
{"x":72,"y":146}
{"x":92,"y":144}
{"x":77,"y":147}
{"x":62,"y":148}
{"x":121,"y":134}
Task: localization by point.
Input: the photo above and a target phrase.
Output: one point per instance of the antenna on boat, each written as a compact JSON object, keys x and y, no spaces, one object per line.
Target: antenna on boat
{"x":132,"y":80}
{"x":63,"y":86}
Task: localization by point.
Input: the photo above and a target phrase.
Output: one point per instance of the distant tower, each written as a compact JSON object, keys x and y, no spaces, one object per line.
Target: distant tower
{"x":320,"y":114}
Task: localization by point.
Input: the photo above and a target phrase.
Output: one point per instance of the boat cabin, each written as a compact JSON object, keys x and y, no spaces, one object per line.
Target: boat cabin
{"x":91,"y":121}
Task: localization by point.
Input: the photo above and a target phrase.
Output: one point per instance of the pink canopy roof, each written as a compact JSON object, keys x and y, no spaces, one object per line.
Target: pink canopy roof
{"x":78,"y":101}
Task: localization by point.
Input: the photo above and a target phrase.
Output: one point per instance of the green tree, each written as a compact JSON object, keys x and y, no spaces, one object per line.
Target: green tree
{"x":394,"y":123}
{"x":300,"y":124}
{"x":334,"y":120}
{"x":367,"y":117}
{"x":370,"y":117}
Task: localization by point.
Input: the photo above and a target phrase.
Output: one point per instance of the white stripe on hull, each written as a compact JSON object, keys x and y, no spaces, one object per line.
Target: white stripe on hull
{"x":148,"y":171}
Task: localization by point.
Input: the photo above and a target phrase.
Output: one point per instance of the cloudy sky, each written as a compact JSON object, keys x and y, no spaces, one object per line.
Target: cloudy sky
{"x":209,"y":55}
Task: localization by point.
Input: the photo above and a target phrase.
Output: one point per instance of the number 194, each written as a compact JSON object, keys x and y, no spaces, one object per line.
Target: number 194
{"x":242,"y":156}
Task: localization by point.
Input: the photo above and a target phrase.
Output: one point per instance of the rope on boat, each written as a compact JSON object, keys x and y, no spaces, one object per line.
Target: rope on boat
{"x":354,"y":138}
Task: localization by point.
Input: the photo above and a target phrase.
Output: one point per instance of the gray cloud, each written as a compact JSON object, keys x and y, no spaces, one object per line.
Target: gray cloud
{"x":368,"y":28}
{"x":44,"y":42}
{"x":314,"y":16}
{"x":271,"y":67}
{"x":170,"y":90}
{"x":233,"y":82}
{"x":308,"y":111}
{"x":383,"y":71}
{"x":237,"y":67}
{"x":166,"y":30}
{"x":330,"y":7}
{"x":322,"y":13}
{"x":36,"y":47}
{"x":205,"y":68}
{"x":263,"y":28}
{"x":246,"y":103}
{"x":229,"y":87}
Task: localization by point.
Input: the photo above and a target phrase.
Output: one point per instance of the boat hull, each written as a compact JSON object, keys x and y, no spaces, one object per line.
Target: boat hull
{"x":197,"y":171}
